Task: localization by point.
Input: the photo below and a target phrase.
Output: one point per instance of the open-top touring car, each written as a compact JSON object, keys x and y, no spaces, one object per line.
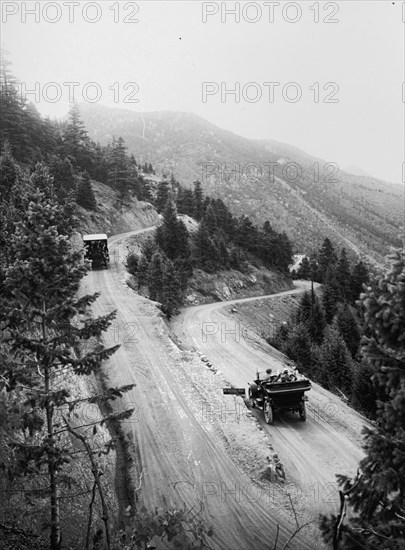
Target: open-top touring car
{"x":278,"y":393}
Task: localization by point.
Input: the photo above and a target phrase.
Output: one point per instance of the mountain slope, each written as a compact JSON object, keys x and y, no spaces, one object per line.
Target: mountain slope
{"x":361,"y":213}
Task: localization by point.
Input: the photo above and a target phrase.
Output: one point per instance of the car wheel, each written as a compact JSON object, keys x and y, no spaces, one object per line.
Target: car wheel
{"x":268,"y":412}
{"x":303,"y":412}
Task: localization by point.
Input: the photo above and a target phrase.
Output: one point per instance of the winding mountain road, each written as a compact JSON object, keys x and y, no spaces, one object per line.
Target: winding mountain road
{"x":183,"y":459}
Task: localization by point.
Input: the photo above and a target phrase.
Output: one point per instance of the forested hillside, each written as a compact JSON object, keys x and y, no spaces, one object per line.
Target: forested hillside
{"x":319,"y":199}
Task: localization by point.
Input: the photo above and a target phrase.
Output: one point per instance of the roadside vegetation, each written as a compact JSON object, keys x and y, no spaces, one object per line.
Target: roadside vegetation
{"x":323,"y":336}
{"x":57,"y":475}
{"x":221,"y":242}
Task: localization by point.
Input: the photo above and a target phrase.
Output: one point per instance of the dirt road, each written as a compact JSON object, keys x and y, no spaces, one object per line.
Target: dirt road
{"x":312,"y":451}
{"x":183,"y":457}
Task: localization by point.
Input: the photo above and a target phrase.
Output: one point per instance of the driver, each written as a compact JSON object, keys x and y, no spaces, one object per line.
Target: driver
{"x":268,"y":376}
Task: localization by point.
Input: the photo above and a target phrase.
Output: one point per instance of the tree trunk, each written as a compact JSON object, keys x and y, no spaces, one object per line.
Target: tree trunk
{"x":55,"y":514}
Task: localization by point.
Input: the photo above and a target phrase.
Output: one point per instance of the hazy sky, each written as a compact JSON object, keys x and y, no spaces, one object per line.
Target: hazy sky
{"x":331,"y":88}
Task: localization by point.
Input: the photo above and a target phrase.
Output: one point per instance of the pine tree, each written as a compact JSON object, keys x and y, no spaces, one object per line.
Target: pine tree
{"x":348,"y":328}
{"x":246,"y":236}
{"x":358,"y":278}
{"x":9,"y":172}
{"x":12,"y":128}
{"x":304,"y":271}
{"x":304,"y":310}
{"x":172,"y":235}
{"x":155,"y":276}
{"x":85,"y":193}
{"x":377,"y":493}
{"x":317,"y":322}
{"x":327,"y":259}
{"x":46,"y":322}
{"x":286,"y":254}
{"x":297,"y":346}
{"x":210,"y":220}
{"x":206,"y":251}
{"x":170,"y":231}
{"x":162,"y":195}
{"x":142,"y":272}
{"x":171,"y":289}
{"x":132,"y":263}
{"x":119,"y":175}
{"x":343,"y":275}
{"x":364,"y":394}
{"x":42,"y":180}
{"x":330,"y":295}
{"x":76,"y":141}
{"x":198,"y":200}
{"x":63,"y":178}
{"x":188,"y":203}
{"x":336,"y":362}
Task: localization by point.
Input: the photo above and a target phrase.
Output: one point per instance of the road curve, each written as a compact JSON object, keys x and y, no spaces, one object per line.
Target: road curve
{"x":183,"y":459}
{"x":312,"y":451}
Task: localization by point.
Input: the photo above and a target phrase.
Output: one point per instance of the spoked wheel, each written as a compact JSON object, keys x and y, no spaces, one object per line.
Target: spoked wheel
{"x":268,"y":412}
{"x":302,"y":411}
{"x":251,"y":402}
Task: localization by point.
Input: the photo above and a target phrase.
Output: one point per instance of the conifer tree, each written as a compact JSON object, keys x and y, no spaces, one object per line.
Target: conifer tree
{"x":119,"y":175}
{"x":348,"y":328}
{"x":155,"y":276}
{"x":327,"y":259}
{"x":206,"y":251}
{"x":171,"y":289}
{"x":377,"y":494}
{"x":330,"y":295}
{"x":336,"y":361}
{"x":358,"y":278}
{"x":198,"y":200}
{"x":297,"y":346}
{"x":304,"y":308}
{"x":169,"y":240}
{"x":317,"y":322}
{"x":63,"y":178}
{"x":364,"y":394}
{"x":46,"y":322}
{"x":343,"y":275}
{"x":286,"y":254}
{"x":162,"y":195}
{"x":304,"y":271}
{"x":132,"y":263}
{"x":9,"y":172}
{"x":85,"y":193}
{"x":246,"y":236}
{"x":210,"y":220}
{"x":42,"y":180}
{"x":12,"y":107}
{"x":172,"y":235}
{"x":142,"y":271}
{"x":75,"y":139}
{"x":188,"y":203}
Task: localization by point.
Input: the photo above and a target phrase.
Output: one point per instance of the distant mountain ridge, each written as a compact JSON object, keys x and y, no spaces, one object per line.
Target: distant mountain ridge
{"x":298,"y":193}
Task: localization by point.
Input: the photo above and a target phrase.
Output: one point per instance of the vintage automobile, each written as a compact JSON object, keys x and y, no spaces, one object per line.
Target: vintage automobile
{"x":278,"y":393}
{"x":96,"y":250}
